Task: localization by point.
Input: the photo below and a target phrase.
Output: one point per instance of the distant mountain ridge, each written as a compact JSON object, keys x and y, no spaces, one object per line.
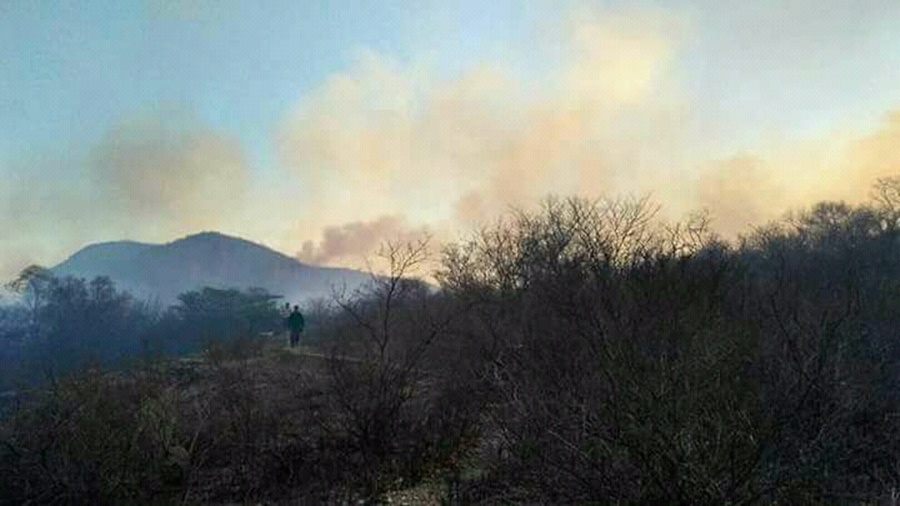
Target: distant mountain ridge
{"x":206,"y":259}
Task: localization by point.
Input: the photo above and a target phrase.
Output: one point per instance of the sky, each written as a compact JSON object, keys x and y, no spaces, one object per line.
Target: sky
{"x":324,"y":128}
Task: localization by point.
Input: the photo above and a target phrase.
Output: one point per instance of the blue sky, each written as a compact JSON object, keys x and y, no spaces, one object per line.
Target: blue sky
{"x":331,"y":116}
{"x":71,"y":69}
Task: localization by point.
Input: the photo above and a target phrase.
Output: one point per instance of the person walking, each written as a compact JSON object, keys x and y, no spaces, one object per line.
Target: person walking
{"x":295,"y":324}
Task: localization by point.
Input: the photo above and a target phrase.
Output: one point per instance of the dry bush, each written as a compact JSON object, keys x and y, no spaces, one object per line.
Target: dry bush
{"x":94,"y":439}
{"x":636,"y":362}
{"x":396,"y":417}
{"x":586,"y":353}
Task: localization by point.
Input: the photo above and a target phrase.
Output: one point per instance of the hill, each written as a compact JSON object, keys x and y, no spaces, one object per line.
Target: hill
{"x":206,"y":259}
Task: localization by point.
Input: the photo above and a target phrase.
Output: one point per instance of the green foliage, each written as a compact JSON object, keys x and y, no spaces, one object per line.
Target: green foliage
{"x":32,"y":285}
{"x":32,"y":280}
{"x":67,"y":323}
{"x":218,"y":313}
{"x":210,"y":317}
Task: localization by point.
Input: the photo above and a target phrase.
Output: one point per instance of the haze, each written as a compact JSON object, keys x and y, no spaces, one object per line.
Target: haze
{"x":323,"y":128}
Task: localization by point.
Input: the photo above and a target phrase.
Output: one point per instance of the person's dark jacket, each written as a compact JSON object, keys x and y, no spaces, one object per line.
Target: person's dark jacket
{"x":295,"y":322}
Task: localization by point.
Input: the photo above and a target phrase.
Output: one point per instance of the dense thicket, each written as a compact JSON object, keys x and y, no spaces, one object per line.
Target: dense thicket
{"x":66,"y":324}
{"x":643,"y":364}
{"x":583,"y":353}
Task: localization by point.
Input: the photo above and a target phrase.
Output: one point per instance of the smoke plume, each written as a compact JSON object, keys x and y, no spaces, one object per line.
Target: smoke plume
{"x":353,"y":241}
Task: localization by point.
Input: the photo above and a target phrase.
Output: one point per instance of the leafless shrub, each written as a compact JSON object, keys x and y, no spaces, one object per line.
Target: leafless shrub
{"x":584,"y":353}
{"x":634,"y":362}
{"x":386,"y":405}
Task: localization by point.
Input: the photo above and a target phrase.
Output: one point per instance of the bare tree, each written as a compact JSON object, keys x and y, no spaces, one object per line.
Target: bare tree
{"x":380,"y":385}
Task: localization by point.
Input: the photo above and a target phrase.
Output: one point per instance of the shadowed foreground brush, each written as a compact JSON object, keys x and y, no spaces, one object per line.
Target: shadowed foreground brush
{"x":583,"y":354}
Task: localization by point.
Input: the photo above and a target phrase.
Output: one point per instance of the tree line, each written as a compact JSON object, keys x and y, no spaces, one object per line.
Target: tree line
{"x":64,"y":324}
{"x":584,"y":353}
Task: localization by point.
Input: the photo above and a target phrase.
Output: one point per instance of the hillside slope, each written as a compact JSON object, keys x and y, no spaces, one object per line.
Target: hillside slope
{"x":207,"y":259}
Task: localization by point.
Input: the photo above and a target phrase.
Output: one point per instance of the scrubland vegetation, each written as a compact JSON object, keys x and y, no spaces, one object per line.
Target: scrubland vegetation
{"x":585,"y":353}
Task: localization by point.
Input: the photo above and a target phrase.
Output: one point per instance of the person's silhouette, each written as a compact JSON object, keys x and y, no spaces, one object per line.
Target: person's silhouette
{"x":295,"y":324}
